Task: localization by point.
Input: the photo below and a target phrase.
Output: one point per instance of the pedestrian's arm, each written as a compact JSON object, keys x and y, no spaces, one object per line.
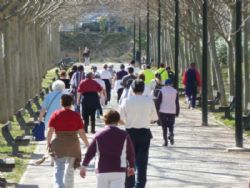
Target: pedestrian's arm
{"x":104,"y":93}
{"x":122,"y":113}
{"x":123,"y":82}
{"x":90,"y":153}
{"x":130,"y":152}
{"x":154,"y":115}
{"x":78,"y":98}
{"x":49,"y":135}
{"x":158,"y":101}
{"x":41,"y":114}
{"x":184,"y":79}
{"x":177,"y":105}
{"x":198,"y":78}
{"x":72,"y":81}
{"x":83,"y":136}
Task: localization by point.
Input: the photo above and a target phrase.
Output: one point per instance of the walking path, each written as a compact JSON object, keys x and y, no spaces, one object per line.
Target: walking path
{"x":197,"y":160}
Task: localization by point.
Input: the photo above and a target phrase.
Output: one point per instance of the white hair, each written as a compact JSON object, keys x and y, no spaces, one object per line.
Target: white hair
{"x":58,"y":85}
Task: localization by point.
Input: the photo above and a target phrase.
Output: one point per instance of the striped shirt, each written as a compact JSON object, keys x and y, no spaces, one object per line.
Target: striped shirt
{"x":76,"y":79}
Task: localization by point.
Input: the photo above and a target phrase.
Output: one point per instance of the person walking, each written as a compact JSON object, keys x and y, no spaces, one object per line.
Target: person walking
{"x":102,"y":95}
{"x":115,"y":150}
{"x":192,"y":81}
{"x":118,"y":79}
{"x":133,"y":65}
{"x":171,"y":74}
{"x":162,"y":71}
{"x":149,"y":75}
{"x":86,"y":56}
{"x":77,"y":77}
{"x":51,"y":101}
{"x":155,"y":87}
{"x":126,"y":82}
{"x":94,"y":70}
{"x":65,"y":147}
{"x":146,"y":92}
{"x":73,"y":70}
{"x":107,"y":78}
{"x":89,"y":90}
{"x":169,"y":108}
{"x":138,"y":112}
{"x":63,"y":77}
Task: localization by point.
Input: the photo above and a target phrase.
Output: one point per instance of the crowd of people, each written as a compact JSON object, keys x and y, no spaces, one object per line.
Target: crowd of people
{"x":144,"y":97}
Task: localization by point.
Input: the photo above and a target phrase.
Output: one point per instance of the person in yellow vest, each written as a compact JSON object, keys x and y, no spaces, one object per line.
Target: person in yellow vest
{"x":149,"y":75}
{"x":162,"y":71}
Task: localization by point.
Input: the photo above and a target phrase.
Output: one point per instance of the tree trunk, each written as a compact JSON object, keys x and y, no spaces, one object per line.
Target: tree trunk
{"x":230,"y":53}
{"x":171,"y":59}
{"x":183,"y":59}
{"x":4,"y":107}
{"x":230,"y":62}
{"x":218,"y":70}
{"x":209,"y":76}
{"x":215,"y":81}
{"x":246,"y":80}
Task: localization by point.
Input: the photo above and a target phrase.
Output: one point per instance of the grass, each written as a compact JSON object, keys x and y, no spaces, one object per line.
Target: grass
{"x":228,"y":122}
{"x":21,"y":162}
{"x":47,"y":81}
{"x":26,"y":151}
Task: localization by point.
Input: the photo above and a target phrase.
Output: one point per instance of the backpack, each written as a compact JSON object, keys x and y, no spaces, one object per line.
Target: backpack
{"x":171,"y":75}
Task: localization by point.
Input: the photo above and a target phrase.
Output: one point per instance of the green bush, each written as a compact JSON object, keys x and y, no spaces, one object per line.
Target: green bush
{"x":100,"y":44}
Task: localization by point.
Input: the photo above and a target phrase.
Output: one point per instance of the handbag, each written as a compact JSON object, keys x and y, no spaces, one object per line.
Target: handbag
{"x":38,"y":131}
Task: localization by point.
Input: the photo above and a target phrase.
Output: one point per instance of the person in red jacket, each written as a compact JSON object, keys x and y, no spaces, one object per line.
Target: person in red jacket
{"x":89,"y":89}
{"x":192,"y":81}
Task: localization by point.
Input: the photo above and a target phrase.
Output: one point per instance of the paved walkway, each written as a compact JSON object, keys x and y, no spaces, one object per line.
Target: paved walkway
{"x":197,"y":160}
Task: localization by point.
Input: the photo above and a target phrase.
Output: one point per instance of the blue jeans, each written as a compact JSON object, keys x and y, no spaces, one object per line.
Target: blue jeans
{"x":64,"y":172}
{"x":191,"y":93}
{"x":141,"y":141}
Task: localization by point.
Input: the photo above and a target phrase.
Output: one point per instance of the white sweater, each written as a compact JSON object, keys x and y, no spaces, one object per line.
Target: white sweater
{"x":168,"y":102}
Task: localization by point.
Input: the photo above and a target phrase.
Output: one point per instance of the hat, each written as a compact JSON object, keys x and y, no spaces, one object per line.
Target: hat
{"x":168,"y":82}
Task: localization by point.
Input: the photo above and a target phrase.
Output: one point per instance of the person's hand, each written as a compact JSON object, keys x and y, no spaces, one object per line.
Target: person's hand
{"x":48,"y":147}
{"x":40,"y":119}
{"x":130,"y":171}
{"x":83,"y":172}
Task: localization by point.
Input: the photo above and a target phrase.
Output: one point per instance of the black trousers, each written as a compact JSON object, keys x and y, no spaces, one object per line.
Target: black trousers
{"x":86,"y":112}
{"x":108,"y":90}
{"x":167,"y":122}
{"x":119,"y":94}
{"x":141,"y":141}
